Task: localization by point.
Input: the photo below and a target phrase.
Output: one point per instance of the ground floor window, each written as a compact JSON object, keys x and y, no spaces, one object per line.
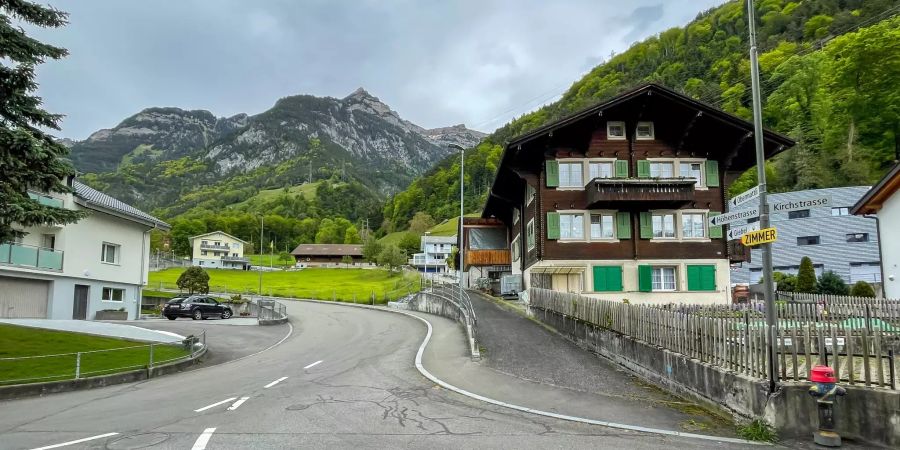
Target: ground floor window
{"x":113,"y":294}
{"x":663,"y":279}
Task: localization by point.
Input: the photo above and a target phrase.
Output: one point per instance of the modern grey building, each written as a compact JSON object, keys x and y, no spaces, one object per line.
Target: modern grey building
{"x":834,"y":239}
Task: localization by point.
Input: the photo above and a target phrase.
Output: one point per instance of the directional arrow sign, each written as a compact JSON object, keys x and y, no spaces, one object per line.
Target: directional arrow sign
{"x":734,"y":216}
{"x":806,"y":203}
{"x":744,"y":197}
{"x":738,"y":231}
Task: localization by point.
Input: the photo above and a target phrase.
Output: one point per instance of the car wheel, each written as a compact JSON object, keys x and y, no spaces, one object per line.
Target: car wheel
{"x":226,"y":314}
{"x":198,"y":315}
{"x":170,"y":317}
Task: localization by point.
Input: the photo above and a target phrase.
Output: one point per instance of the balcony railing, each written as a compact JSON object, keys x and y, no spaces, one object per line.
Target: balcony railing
{"x":668,"y":191}
{"x":487,"y":257}
{"x":46,"y":200}
{"x":215,"y":248}
{"x":235,"y":259}
{"x":423,"y":261}
{"x":31,"y":256}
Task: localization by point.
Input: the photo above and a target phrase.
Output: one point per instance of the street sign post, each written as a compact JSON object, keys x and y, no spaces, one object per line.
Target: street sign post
{"x":734,"y":216}
{"x":806,"y":203}
{"x":764,"y":236}
{"x":735,"y":232}
{"x":744,"y":197}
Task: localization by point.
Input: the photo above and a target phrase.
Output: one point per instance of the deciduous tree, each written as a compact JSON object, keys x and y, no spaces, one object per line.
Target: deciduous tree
{"x":194,"y":280}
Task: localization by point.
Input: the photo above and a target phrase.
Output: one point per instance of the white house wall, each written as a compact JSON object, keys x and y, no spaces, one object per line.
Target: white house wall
{"x":889,"y":223}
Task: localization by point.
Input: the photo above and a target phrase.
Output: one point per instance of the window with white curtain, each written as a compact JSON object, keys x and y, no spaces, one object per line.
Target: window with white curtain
{"x":663,"y":278}
{"x":663,"y":225}
{"x":602,"y":226}
{"x":692,"y":225}
{"x":571,"y":226}
{"x":600,"y":170}
{"x":570,"y":175}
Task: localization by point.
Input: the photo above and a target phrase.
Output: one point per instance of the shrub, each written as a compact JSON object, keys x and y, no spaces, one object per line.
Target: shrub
{"x":194,"y":280}
{"x":832,"y":283}
{"x":862,"y":289}
{"x":784,"y":282}
{"x":806,"y":277}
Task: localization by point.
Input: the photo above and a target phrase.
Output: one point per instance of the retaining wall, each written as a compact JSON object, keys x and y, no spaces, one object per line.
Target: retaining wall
{"x":434,"y":304}
{"x":864,"y":414}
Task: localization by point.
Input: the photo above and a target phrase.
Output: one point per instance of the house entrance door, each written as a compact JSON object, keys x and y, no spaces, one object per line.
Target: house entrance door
{"x":79,"y":311}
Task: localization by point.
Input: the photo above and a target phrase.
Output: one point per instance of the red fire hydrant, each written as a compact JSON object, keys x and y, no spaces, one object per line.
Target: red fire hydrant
{"x":826,"y":391}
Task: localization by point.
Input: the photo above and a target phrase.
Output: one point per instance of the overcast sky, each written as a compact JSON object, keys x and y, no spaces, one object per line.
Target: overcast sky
{"x":437,"y":63}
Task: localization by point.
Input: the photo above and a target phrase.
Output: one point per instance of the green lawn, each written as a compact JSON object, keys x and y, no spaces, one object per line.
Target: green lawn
{"x":125,"y":355}
{"x":449,"y":227}
{"x":308,"y":190}
{"x":323,"y":284}
{"x":392,"y":238}
{"x":267,"y":259}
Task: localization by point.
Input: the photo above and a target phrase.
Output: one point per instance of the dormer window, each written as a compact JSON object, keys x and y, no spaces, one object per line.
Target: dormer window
{"x":615,"y":130}
{"x":644,"y":131}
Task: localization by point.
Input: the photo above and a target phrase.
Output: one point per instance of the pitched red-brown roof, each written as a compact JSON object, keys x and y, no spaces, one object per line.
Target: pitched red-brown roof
{"x":328,"y":250}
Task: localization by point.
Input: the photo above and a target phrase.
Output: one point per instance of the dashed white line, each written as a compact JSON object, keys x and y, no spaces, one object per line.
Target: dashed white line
{"x":99,"y":436}
{"x":313,"y":364}
{"x":275,"y":382}
{"x":238,"y":403}
{"x":215,"y":404}
{"x":201,"y":442}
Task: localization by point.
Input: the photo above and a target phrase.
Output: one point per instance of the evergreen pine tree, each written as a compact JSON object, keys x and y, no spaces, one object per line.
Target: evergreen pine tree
{"x":29,"y":158}
{"x":806,"y":277}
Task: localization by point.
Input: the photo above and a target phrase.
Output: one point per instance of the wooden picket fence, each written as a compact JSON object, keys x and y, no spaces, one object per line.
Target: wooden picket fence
{"x":736,"y":337}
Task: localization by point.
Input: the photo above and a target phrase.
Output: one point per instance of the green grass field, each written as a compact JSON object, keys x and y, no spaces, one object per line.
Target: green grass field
{"x":266,"y":260}
{"x":125,"y":355}
{"x":308,"y":190}
{"x":316,"y":283}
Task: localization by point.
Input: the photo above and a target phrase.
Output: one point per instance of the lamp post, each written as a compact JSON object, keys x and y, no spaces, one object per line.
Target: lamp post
{"x":462,"y":244}
{"x":426,"y":258}
{"x":259,"y":267}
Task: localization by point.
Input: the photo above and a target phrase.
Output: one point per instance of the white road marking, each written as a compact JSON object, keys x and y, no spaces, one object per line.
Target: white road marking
{"x":274,"y":382}
{"x":99,"y":436}
{"x":313,"y":364}
{"x":201,"y":442}
{"x":215,"y":404}
{"x":238,"y":403}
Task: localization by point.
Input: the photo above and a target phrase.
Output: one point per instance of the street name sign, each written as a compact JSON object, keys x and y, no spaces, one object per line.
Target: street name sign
{"x":744,"y":197}
{"x":734,"y":216}
{"x":735,"y":232}
{"x":796,"y":205}
{"x":764,"y":236}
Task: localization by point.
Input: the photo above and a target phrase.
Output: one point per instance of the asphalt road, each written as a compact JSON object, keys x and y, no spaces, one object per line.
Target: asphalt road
{"x":344,"y":378}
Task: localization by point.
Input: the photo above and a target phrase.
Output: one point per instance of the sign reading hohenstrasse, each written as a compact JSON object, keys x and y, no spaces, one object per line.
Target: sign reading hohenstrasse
{"x":744,"y":197}
{"x":796,"y":205}
{"x":734,"y":216}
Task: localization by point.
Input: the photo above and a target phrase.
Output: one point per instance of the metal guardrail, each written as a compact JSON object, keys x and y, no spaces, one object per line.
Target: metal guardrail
{"x":77,"y":365}
{"x":270,"y":310}
{"x":461,"y":300}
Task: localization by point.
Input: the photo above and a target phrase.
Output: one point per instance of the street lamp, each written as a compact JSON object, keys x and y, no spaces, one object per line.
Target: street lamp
{"x":426,"y":258}
{"x":462,"y":254}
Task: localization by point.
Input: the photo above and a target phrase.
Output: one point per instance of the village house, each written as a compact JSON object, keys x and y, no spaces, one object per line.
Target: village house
{"x":884,"y":202}
{"x":614,"y":201}
{"x":218,"y":250}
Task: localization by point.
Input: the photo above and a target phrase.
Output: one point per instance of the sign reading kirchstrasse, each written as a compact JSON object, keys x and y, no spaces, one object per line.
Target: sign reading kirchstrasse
{"x":734,"y":216}
{"x":796,"y":205}
{"x":735,"y":232}
{"x":744,"y":197}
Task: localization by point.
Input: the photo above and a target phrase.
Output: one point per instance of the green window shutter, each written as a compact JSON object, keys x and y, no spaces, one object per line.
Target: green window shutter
{"x":712,"y":173}
{"x":643,"y":167}
{"x":623,"y":225}
{"x":645,"y":278}
{"x":552,"y":174}
{"x":715,"y":232}
{"x":701,"y":277}
{"x":646,"y":225}
{"x":621,"y":168}
{"x":607,"y":278}
{"x":552,"y":225}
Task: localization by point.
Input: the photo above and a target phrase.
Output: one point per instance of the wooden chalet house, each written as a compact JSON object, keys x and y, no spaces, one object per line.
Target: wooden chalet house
{"x":613,"y":201}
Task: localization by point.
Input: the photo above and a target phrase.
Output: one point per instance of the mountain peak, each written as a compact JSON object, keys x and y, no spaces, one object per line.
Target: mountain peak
{"x":361,"y":94}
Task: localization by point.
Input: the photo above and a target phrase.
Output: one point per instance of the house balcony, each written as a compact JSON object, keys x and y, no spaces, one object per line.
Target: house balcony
{"x":46,"y":200}
{"x":235,"y":259}
{"x":661,"y":192}
{"x":427,"y":262}
{"x":215,"y":248}
{"x":31,"y":257}
{"x":488,"y":258}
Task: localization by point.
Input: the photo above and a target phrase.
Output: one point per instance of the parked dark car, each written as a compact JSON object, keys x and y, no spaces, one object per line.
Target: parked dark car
{"x":196,"y":307}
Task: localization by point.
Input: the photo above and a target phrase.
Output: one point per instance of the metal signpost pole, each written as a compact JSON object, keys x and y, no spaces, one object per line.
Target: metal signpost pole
{"x":763,"y":207}
{"x":462,"y":244}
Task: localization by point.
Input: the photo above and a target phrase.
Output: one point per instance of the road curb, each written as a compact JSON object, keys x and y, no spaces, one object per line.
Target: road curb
{"x":17,"y":391}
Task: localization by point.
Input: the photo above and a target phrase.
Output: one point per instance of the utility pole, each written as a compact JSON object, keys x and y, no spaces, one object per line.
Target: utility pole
{"x":771,"y":323}
{"x":310,"y":171}
{"x":462,"y":244}
{"x":259,"y":267}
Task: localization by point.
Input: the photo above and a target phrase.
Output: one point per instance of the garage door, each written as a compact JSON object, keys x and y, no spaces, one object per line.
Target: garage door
{"x":23,"y":298}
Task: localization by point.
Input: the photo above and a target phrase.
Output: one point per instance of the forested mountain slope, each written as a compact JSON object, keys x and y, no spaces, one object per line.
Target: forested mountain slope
{"x":829,"y":71}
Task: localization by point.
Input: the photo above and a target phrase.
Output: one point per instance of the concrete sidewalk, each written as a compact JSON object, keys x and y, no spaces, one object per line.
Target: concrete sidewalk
{"x":527,"y":365}
{"x":98,"y":329}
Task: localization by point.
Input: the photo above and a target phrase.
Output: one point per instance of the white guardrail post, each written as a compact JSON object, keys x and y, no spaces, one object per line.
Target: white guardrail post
{"x":78,"y":365}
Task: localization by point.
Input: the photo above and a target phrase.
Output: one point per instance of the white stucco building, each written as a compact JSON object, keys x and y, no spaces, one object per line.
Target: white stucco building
{"x":218,"y":250}
{"x":883,"y":200}
{"x":72,"y":271}
{"x":434,"y":253}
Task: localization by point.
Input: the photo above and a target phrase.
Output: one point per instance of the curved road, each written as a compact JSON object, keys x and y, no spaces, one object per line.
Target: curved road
{"x":350,"y":382}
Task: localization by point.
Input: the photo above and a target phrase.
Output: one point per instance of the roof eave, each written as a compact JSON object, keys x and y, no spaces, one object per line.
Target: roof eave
{"x":864,"y":206}
{"x":113,"y":212}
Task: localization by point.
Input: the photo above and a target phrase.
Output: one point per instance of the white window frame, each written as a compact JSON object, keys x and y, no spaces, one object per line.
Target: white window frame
{"x":116,"y":254}
{"x":578,"y":216}
{"x":514,"y":248}
{"x":703,"y":222}
{"x":662,"y":281}
{"x":676,"y":168}
{"x":573,"y":162}
{"x":590,"y":223}
{"x":111,"y":297}
{"x":664,"y":161}
{"x":530,"y":237}
{"x":638,"y":137}
{"x":516,"y":215}
{"x":675,"y":219}
{"x":529,"y":194}
{"x":610,"y":161}
{"x":612,"y":123}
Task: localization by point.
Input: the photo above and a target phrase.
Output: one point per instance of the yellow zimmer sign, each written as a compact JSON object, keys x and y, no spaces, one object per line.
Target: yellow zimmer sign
{"x":764,"y":236}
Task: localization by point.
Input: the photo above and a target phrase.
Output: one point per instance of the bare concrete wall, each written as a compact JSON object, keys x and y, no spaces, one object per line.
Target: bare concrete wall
{"x":868,"y":415}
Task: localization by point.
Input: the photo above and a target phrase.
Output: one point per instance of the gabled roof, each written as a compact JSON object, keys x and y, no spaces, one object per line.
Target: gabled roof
{"x":886,"y":187}
{"x":93,"y":199}
{"x":216,"y":232}
{"x":328,"y":250}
